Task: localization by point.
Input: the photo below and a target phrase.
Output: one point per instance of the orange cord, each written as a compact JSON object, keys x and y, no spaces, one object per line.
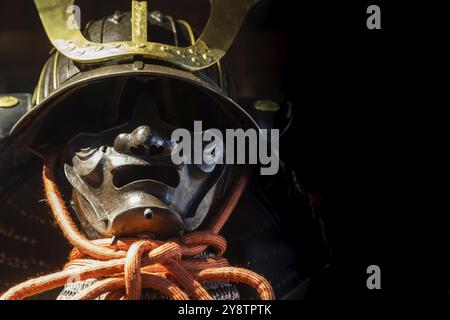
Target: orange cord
{"x":129,"y":265}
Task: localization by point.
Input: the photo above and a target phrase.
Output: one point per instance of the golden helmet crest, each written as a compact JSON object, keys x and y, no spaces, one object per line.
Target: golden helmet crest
{"x":226,"y":17}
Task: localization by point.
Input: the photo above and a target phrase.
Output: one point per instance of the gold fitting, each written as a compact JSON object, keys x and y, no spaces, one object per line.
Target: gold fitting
{"x":8,"y":102}
{"x":266,"y":105}
{"x":225,"y":20}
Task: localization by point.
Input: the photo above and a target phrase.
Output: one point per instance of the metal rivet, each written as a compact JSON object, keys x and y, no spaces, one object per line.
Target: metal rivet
{"x":81,"y":52}
{"x":138,"y":65}
{"x":148,"y":213}
{"x":156,"y":15}
{"x":116,"y":45}
{"x":8,"y":102}
{"x":141,"y":45}
{"x":98,"y":48}
{"x":207,"y":57}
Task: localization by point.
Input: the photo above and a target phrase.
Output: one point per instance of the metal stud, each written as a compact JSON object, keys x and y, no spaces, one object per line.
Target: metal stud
{"x":8,"y":102}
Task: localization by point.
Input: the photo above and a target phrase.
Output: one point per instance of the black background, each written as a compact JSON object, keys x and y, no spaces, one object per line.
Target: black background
{"x":362,"y":120}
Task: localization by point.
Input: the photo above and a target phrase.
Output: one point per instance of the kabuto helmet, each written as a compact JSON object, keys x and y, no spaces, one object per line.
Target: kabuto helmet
{"x":107,"y":101}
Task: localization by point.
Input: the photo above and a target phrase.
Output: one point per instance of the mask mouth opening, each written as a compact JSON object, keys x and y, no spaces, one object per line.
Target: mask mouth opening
{"x":128,"y":174}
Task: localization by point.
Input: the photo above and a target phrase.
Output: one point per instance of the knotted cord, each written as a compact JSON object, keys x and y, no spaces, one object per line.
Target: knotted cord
{"x":127,"y":266}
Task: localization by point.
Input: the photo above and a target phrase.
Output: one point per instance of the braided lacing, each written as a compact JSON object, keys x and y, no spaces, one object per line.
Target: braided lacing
{"x":130,"y":265}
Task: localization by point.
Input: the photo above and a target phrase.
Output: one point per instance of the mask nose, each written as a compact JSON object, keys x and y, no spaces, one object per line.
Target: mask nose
{"x":138,"y":142}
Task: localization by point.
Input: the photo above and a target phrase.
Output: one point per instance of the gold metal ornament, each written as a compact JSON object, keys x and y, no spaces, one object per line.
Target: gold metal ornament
{"x":8,"y":102}
{"x":266,"y":105}
{"x":225,"y":20}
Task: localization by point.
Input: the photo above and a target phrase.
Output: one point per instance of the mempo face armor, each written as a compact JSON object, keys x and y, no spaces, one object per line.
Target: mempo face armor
{"x":126,"y":184}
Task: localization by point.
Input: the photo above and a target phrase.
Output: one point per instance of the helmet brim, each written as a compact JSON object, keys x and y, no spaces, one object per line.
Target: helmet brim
{"x":40,"y":124}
